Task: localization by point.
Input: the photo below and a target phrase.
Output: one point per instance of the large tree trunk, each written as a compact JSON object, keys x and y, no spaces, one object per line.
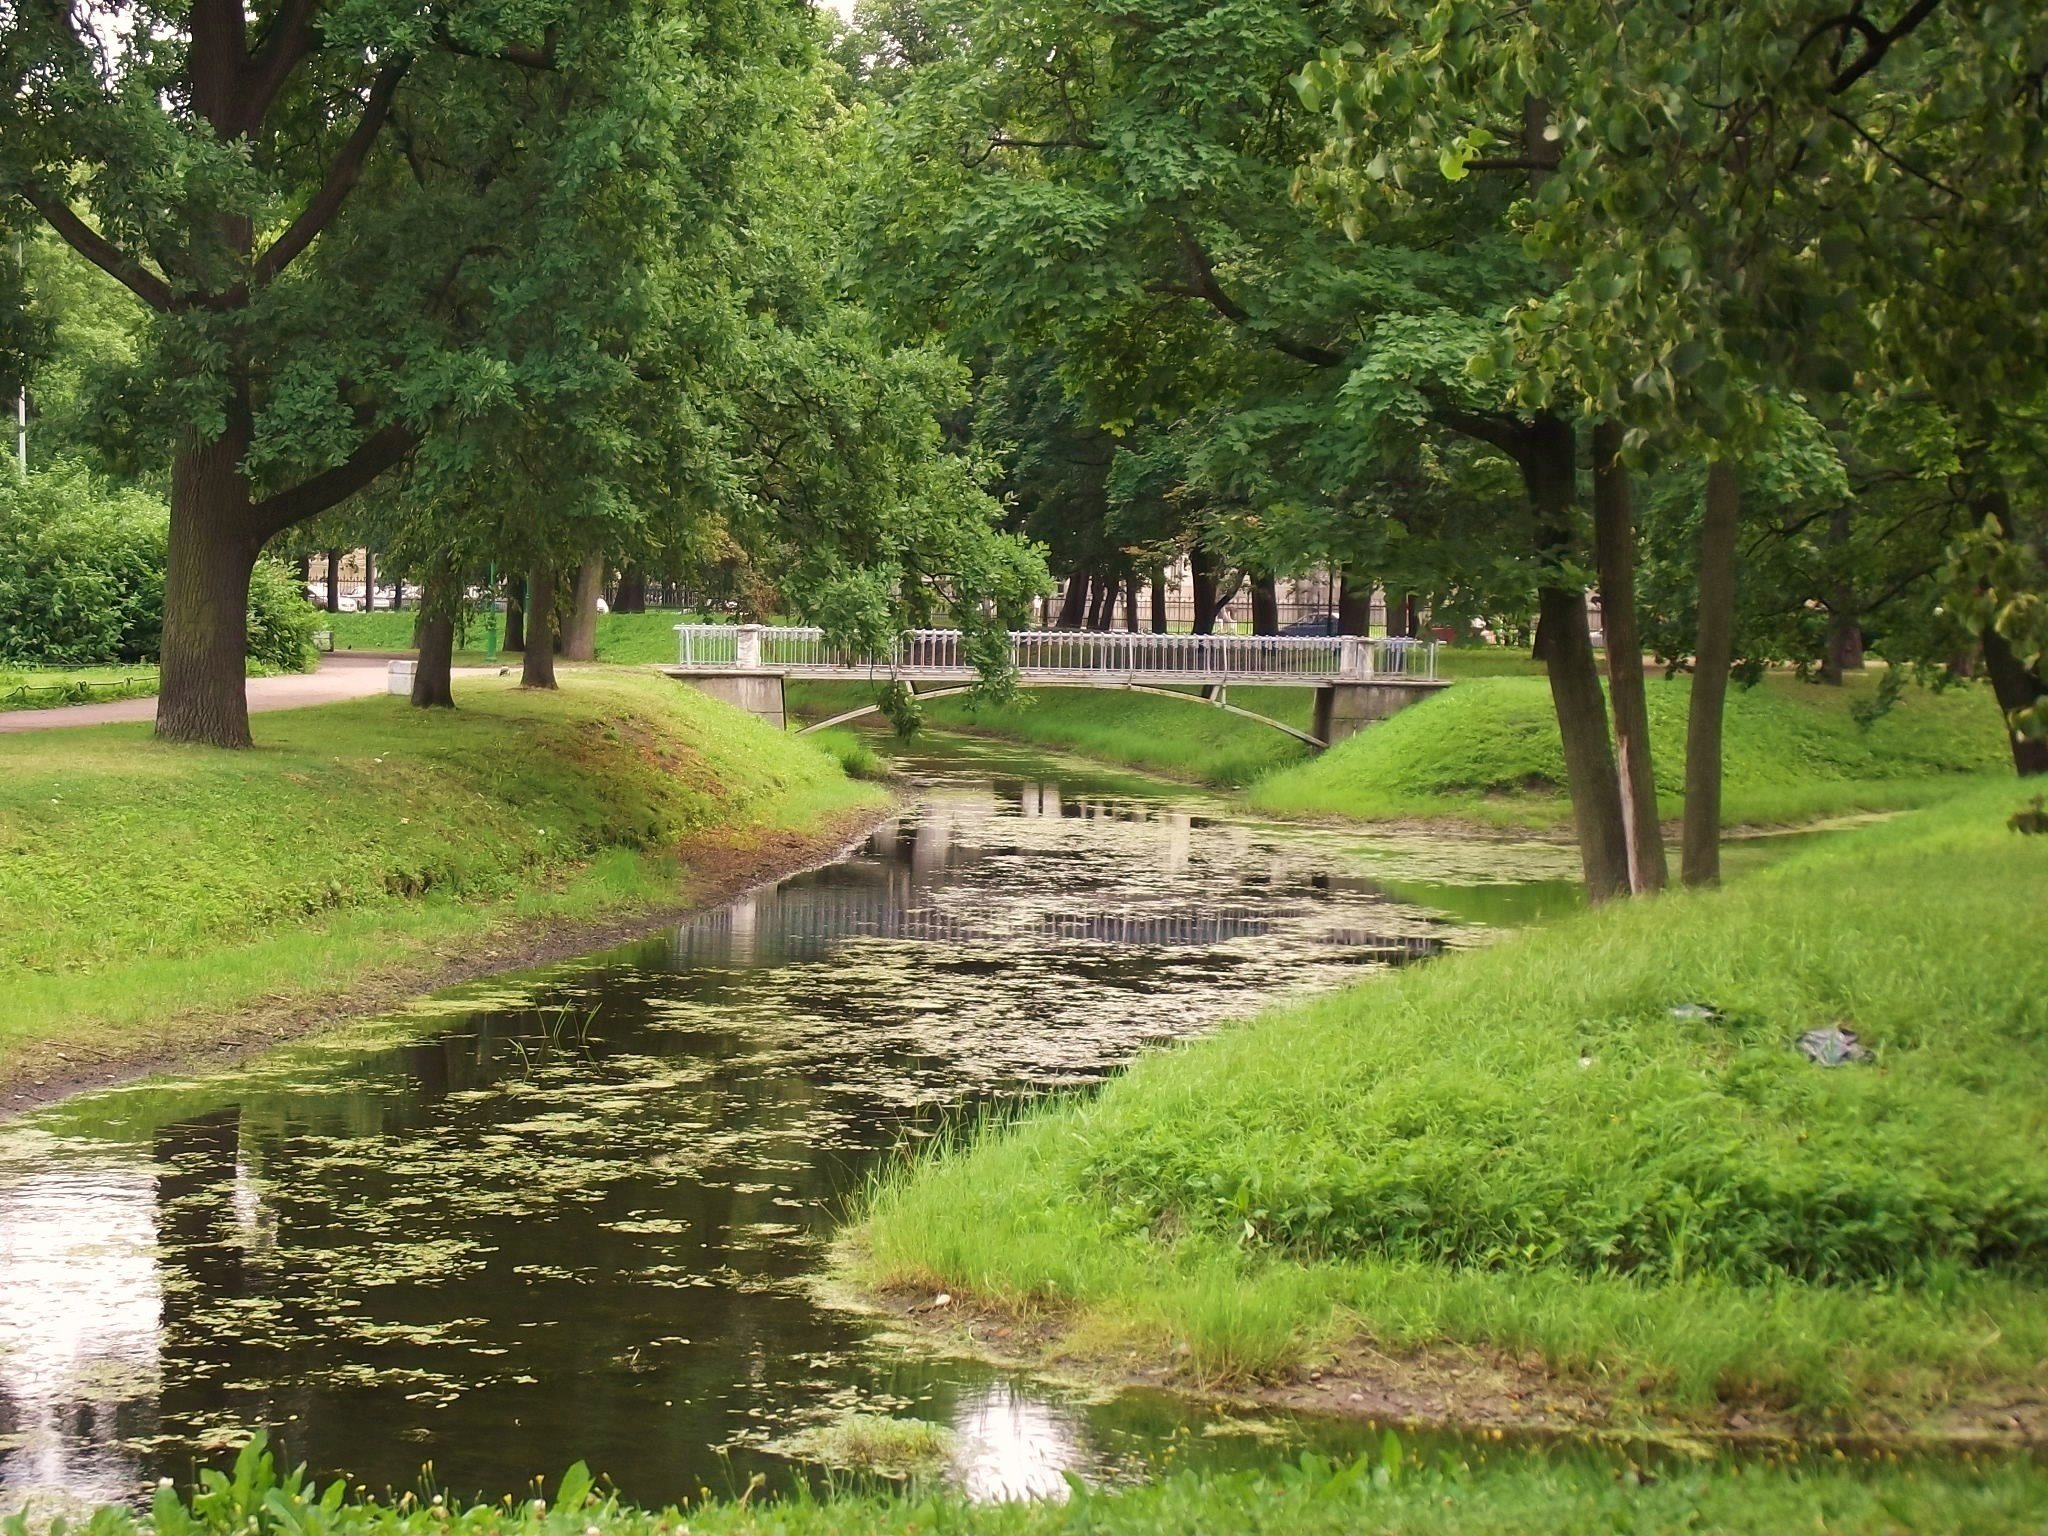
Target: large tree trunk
{"x":579,"y":635}
{"x":1614,"y":555}
{"x":1202,"y":571}
{"x":1354,"y":605}
{"x":1842,"y":649}
{"x":1713,"y":656}
{"x":1074,"y":608}
{"x":433,"y":685}
{"x":1265,"y":605}
{"x":2016,"y":688}
{"x":632,"y":591}
{"x":202,"y":694}
{"x":369,"y":581}
{"x":334,"y":581}
{"x":515,"y":613}
{"x":1565,"y":643}
{"x":1159,"y":599}
{"x":538,"y":668}
{"x":1101,"y":601}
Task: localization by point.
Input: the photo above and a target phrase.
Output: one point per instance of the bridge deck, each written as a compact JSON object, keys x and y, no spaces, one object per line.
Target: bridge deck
{"x":1075,"y":658}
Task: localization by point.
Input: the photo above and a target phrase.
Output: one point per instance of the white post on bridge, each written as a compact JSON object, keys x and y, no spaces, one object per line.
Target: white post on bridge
{"x":1354,"y":658}
{"x":747,"y":643}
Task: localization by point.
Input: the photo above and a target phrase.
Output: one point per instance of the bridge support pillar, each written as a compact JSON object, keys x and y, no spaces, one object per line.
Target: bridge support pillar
{"x":1345,"y":709}
{"x":758,"y":693}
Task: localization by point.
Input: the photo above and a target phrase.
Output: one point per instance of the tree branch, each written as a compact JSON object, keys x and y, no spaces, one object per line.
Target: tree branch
{"x":521,"y":54}
{"x":342,"y":176}
{"x":102,"y":252}
{"x":285,"y":42}
{"x":1004,"y":141}
{"x":1202,"y":277}
{"x":378,"y":452}
{"x":1877,"y":44}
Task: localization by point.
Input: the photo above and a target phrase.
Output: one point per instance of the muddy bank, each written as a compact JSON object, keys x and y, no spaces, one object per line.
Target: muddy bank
{"x":1449,"y":1388}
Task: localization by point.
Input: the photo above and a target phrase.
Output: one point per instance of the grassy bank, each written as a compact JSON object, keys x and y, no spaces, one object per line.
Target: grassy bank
{"x":1524,"y":1151}
{"x":1488,"y":749}
{"x":1388,"y":1492}
{"x":143,"y":884}
{"x":626,"y":639}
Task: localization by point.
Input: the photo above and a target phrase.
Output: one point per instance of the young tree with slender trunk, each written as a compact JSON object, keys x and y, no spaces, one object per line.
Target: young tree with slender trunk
{"x":1614,"y":554}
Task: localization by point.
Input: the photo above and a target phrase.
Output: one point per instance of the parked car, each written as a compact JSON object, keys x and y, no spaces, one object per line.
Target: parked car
{"x":1322,"y":624}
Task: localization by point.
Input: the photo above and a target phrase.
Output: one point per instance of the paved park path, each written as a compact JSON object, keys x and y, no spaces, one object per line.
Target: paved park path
{"x":345,"y":676}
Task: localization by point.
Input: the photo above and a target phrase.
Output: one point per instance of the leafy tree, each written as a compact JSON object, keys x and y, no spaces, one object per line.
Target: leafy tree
{"x":351,"y":224}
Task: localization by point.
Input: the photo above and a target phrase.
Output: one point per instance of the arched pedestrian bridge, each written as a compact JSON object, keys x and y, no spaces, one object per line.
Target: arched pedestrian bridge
{"x":1357,"y":680}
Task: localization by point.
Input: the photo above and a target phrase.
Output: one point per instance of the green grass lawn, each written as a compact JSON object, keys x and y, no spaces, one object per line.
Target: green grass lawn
{"x":628,"y":639}
{"x":1523,"y":1150}
{"x":48,"y":687}
{"x":1488,"y":749}
{"x":1390,"y":1492}
{"x":140,"y":880}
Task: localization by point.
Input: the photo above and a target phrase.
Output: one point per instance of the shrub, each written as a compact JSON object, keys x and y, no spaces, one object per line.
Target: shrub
{"x":82,"y":578}
{"x":281,"y":621}
{"x":81,"y":570}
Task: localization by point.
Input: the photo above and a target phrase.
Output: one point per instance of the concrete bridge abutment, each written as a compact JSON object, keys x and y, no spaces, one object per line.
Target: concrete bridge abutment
{"x":758,"y":693}
{"x":1344,"y":709}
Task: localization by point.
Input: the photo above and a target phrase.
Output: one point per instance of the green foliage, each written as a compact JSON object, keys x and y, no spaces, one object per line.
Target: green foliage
{"x":901,"y":708}
{"x":82,"y":578}
{"x":1542,"y":1147}
{"x":1998,"y":582}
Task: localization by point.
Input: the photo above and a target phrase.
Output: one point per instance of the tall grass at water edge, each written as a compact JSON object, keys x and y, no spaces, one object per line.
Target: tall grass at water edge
{"x":1525,"y":1149}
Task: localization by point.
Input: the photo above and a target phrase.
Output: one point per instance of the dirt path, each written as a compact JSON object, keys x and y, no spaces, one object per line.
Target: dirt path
{"x":357,"y":675}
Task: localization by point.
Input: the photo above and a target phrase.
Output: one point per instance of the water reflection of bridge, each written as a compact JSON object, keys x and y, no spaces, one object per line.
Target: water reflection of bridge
{"x":810,"y":918}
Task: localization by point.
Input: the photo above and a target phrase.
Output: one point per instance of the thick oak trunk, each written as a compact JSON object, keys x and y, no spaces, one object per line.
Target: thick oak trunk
{"x":202,"y":695}
{"x":1202,"y":571}
{"x":369,"y":581}
{"x":1159,"y":621}
{"x":515,"y":613}
{"x":1265,"y":606}
{"x":1354,"y":605}
{"x":334,"y":581}
{"x":1074,"y":607}
{"x":579,"y":634}
{"x":1842,"y":648}
{"x":1614,"y":555}
{"x":1101,"y":601}
{"x":433,"y":685}
{"x":1131,"y":601}
{"x":2016,"y":688}
{"x":632,"y":591}
{"x":537,"y":668}
{"x":1713,"y":656}
{"x":1564,"y":641}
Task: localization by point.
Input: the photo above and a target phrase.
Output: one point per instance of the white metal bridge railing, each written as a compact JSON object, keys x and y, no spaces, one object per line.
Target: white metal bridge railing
{"x":943,"y":653}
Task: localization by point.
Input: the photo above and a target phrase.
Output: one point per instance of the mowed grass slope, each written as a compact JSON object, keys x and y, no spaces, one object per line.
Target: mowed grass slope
{"x":1488,"y":750}
{"x":1524,"y":1149}
{"x":138,"y":879}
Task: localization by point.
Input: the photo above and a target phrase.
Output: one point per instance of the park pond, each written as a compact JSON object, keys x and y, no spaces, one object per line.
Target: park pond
{"x":580,"y":1213}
